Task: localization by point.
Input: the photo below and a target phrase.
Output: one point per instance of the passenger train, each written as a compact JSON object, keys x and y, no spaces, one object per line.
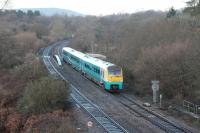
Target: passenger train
{"x":104,"y":73}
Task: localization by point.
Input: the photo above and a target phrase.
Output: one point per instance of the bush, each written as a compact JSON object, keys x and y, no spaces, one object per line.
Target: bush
{"x":28,"y":41}
{"x":44,"y":95}
{"x":176,"y":66}
{"x":32,"y":69}
{"x":10,"y":55}
{"x":54,"y":122}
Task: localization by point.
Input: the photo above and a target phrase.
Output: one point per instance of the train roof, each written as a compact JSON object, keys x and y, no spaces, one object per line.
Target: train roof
{"x":74,"y":52}
{"x":87,"y":58}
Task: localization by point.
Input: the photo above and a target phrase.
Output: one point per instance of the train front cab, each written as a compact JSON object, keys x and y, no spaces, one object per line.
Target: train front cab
{"x":113,"y":79}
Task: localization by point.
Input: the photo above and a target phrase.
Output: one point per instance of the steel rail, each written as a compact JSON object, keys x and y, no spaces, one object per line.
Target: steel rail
{"x":156,"y":119}
{"x":100,"y":116}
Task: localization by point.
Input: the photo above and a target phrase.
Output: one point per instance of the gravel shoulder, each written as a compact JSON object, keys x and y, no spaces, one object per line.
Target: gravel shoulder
{"x":108,"y":102}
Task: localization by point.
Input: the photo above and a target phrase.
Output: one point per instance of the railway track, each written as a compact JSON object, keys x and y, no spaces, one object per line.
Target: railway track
{"x":101,"y":117}
{"x":156,"y":119}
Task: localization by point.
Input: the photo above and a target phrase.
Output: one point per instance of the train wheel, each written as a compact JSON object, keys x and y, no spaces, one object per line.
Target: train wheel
{"x":64,"y":60}
{"x":82,"y":73}
{"x":103,"y":86}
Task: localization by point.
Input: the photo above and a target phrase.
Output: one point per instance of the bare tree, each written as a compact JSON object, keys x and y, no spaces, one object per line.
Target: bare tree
{"x":3,"y":4}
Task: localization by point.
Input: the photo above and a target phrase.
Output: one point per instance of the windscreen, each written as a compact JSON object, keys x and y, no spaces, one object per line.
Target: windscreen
{"x":114,"y":70}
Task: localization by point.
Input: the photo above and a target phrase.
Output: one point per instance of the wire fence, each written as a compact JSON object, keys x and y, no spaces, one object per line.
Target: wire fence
{"x":191,"y":107}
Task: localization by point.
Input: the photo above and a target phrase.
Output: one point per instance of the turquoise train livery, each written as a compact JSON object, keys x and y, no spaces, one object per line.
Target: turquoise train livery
{"x":106,"y":74}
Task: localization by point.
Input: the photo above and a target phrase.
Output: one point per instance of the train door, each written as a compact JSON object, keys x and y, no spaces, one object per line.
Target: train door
{"x":81,"y":65}
{"x":102,"y":75}
{"x":69,"y":59}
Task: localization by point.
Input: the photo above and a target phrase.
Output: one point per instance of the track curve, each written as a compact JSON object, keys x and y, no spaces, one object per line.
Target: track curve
{"x":100,"y":116}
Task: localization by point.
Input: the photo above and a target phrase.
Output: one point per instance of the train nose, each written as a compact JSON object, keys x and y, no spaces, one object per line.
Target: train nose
{"x":115,"y":78}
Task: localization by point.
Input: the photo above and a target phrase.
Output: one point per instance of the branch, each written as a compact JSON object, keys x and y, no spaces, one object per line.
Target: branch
{"x":4,"y":4}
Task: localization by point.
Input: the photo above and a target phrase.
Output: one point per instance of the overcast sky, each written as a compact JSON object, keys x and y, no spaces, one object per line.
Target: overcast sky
{"x":101,"y":7}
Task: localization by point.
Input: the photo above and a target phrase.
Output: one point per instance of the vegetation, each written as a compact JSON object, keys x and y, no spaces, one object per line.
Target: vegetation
{"x":44,"y":95}
{"x":149,"y":46}
{"x":24,"y":81}
{"x":193,"y":7}
{"x":32,"y":69}
{"x":175,"y":66}
{"x":172,"y":12}
{"x":3,"y":4}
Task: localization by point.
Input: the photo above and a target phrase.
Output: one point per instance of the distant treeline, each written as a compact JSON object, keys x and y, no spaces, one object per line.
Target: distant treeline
{"x":20,"y":12}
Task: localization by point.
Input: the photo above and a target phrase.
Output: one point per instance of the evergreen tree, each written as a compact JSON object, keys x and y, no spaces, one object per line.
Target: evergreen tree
{"x":193,"y":7}
{"x":30,"y":13}
{"x":37,"y":13}
{"x":171,"y":13}
{"x":20,"y":13}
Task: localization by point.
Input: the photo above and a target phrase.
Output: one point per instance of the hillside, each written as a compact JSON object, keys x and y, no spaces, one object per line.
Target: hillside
{"x":21,"y":69}
{"x":53,"y":11}
{"x":140,"y":43}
